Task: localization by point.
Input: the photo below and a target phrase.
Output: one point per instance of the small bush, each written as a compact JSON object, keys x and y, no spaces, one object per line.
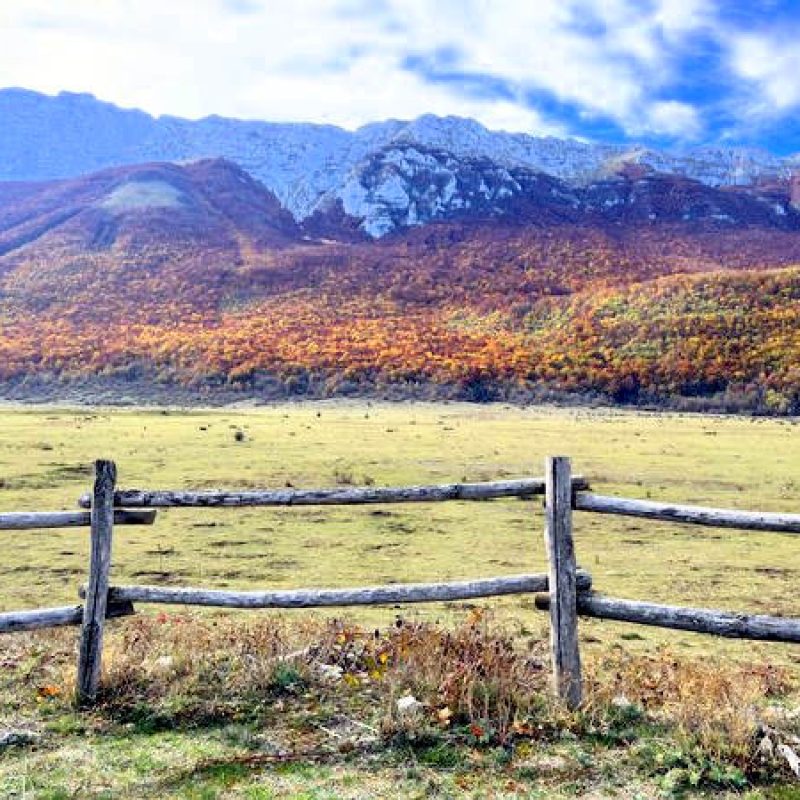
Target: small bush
{"x":708,"y":713}
{"x":186,"y":670}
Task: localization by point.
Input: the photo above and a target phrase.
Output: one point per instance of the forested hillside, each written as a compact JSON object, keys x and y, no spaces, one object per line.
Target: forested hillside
{"x":196,"y":276}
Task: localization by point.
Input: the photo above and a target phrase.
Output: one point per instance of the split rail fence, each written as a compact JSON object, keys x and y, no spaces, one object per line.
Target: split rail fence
{"x":565,"y":591}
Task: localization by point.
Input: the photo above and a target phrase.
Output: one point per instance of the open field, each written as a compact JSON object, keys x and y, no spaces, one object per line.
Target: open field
{"x":45,"y":458}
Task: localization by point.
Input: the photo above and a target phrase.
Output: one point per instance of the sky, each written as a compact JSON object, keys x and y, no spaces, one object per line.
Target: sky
{"x":668,"y":73}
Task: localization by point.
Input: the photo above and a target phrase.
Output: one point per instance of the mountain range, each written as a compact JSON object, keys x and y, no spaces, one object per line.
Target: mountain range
{"x":367,"y":173}
{"x":424,"y":258}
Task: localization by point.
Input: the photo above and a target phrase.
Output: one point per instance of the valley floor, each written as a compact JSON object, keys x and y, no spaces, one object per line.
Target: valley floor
{"x":206,"y":730}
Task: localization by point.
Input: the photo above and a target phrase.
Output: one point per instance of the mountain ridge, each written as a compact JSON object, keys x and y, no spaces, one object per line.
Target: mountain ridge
{"x":310,"y":167}
{"x":398,"y":188}
{"x":195,"y":276}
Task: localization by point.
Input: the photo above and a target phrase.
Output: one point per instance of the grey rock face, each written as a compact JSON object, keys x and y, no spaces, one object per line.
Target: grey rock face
{"x":385,"y":175}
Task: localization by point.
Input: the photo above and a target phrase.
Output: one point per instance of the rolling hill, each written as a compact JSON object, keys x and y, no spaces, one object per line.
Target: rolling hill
{"x":638,"y":287}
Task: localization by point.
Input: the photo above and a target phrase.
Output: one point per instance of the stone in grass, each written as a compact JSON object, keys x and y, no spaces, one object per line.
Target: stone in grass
{"x":330,"y":673}
{"x":791,"y":757}
{"x":21,"y":738}
{"x":409,"y":706}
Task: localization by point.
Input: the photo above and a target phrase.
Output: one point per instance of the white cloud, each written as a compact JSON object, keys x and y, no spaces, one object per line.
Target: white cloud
{"x":678,"y":17}
{"x":672,"y":118}
{"x":532,"y":44}
{"x":309,"y":61}
{"x":605,"y":56}
{"x":370,"y":89}
{"x":772,"y":64}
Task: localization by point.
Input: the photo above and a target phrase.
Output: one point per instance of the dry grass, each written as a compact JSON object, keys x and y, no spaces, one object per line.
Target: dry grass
{"x":189,"y":670}
{"x":327,"y":690}
{"x":721,"y":704}
{"x":473,"y":675}
{"x":186,"y":669}
{"x":708,"y":717}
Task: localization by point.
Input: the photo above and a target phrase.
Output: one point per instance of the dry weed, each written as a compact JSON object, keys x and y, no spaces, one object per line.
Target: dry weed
{"x":712,"y":710}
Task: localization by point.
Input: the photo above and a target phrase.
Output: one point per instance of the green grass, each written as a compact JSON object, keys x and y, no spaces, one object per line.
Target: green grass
{"x":45,"y":456}
{"x":45,"y":459}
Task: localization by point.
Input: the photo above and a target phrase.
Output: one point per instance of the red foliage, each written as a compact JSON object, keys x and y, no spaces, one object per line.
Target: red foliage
{"x":630,"y":312}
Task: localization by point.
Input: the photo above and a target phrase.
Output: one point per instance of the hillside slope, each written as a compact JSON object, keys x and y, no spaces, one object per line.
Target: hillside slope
{"x":637,"y":288}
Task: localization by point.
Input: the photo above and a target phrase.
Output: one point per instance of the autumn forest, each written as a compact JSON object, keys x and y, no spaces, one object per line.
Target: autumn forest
{"x":226,"y":292}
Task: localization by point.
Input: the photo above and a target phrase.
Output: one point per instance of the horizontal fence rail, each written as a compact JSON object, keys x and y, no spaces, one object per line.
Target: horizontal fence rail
{"x":694,"y":515}
{"x":490,"y":490}
{"x":319,"y":598}
{"x":698,"y":620}
{"x":567,"y":588}
{"x":14,"y":621}
{"x":33,"y":520}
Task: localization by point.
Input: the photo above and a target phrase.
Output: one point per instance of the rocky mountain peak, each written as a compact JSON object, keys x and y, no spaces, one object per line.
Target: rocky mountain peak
{"x":385,"y":176}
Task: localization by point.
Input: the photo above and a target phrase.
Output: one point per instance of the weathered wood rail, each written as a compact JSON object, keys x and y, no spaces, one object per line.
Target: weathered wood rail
{"x":12,"y":621}
{"x":321,"y":598}
{"x":568,"y":589}
{"x":693,"y":515}
{"x":683,"y":618}
{"x":489,"y":490}
{"x":41,"y":520}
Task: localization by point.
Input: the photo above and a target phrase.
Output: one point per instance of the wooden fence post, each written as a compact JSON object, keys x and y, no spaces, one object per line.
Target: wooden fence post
{"x":562,"y":581}
{"x":94,"y":608}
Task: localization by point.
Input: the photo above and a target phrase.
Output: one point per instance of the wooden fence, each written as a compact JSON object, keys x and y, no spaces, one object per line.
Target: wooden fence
{"x":565,"y":591}
{"x":92,"y":614}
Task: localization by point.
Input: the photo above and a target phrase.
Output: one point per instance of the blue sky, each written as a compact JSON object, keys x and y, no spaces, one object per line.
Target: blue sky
{"x":662,"y":72}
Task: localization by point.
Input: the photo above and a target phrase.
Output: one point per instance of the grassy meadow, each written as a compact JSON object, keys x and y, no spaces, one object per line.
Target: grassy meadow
{"x":46,"y":455}
{"x":179,"y":721}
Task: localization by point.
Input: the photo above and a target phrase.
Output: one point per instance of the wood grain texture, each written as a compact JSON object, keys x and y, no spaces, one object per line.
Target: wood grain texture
{"x":35,"y":520}
{"x":14,"y":621}
{"x":90,"y":653}
{"x":316,"y":598}
{"x":699,"y":620}
{"x":525,"y":487}
{"x":562,"y":581}
{"x":695,"y":515}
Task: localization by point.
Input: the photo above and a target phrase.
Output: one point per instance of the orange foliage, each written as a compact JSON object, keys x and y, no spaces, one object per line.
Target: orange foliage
{"x":649,"y":314}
